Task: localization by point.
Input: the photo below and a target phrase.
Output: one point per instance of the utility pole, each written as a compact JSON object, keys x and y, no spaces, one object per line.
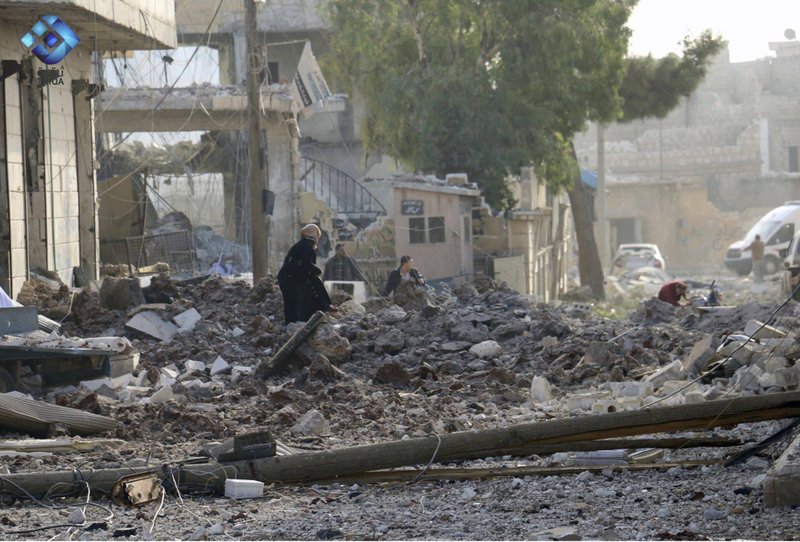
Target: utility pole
{"x":601,"y":195}
{"x":255,"y":153}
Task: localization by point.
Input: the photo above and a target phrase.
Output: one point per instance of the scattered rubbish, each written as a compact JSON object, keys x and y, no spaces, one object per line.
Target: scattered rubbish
{"x":137,"y":490}
{"x":243,"y":489}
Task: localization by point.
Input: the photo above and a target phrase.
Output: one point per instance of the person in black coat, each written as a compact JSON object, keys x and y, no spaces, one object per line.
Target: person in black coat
{"x":298,"y":279}
{"x":406,"y":272}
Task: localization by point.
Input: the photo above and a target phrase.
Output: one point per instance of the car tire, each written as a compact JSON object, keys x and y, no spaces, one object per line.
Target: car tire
{"x":743,"y":270}
{"x":771,"y":265}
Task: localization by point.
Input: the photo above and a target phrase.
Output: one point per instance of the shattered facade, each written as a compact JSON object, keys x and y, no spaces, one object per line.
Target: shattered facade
{"x":47,"y":169}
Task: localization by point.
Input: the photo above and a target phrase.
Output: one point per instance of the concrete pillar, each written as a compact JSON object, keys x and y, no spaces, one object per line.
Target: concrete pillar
{"x":240,"y":55}
{"x":5,"y":222}
{"x":283,"y":232}
{"x":87,"y":180}
{"x":229,"y":198}
{"x":33,"y":151}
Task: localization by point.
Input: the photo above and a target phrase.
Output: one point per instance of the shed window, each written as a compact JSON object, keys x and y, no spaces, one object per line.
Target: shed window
{"x":416,"y":230}
{"x":436,"y":229}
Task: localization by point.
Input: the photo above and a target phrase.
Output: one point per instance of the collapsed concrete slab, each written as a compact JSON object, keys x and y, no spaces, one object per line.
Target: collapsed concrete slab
{"x":150,"y":323}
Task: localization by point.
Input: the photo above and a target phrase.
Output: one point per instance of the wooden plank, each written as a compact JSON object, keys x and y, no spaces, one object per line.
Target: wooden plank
{"x":281,"y":358}
{"x":380,"y":477}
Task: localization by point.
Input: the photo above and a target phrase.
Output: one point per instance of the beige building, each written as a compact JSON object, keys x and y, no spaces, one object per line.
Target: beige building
{"x":529,"y":247}
{"x":47,"y":154}
{"x":432,"y":223}
{"x":697,"y":180}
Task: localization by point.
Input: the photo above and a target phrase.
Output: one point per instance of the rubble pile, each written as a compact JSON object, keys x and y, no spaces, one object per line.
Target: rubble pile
{"x":410,"y":366}
{"x":476,"y":351}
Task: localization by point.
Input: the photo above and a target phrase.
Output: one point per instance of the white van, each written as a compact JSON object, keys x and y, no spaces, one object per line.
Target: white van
{"x":776,"y":228}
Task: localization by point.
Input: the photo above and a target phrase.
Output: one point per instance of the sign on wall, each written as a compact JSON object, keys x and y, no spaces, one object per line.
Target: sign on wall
{"x":412,"y":207}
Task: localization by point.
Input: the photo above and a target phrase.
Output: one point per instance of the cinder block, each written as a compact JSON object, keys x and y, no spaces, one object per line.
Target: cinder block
{"x":243,"y":489}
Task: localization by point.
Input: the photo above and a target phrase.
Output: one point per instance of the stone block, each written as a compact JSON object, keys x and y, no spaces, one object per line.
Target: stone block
{"x":787,"y":377}
{"x":700,"y":354}
{"x":486,"y":349}
{"x":194,"y":366}
{"x":694,"y":396}
{"x":312,"y":423}
{"x":540,"y":390}
{"x":782,"y":483}
{"x":187,"y":320}
{"x":120,"y":364}
{"x":665,"y":373}
{"x":581,"y":402}
{"x":747,"y":378}
{"x":219,"y":366}
{"x":604,"y":406}
{"x":629,"y":403}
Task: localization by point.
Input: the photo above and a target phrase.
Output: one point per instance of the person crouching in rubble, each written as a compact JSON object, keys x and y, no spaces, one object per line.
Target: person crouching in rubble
{"x":298,"y":279}
{"x":405,"y":273}
{"x":671,"y":292}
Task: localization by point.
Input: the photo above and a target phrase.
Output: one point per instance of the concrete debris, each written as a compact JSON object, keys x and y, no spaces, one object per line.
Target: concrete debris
{"x":486,"y":349}
{"x":187,"y":320}
{"x":540,"y":390}
{"x":312,"y":423}
{"x":219,"y":366}
{"x":150,"y":322}
{"x":422,"y":364}
{"x":121,"y":293}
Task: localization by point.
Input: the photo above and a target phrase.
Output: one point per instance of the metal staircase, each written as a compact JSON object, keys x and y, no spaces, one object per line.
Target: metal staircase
{"x":341,"y":192}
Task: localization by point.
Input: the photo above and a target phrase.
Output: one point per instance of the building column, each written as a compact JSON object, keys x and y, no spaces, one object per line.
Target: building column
{"x":33,"y":150}
{"x":87,"y":179}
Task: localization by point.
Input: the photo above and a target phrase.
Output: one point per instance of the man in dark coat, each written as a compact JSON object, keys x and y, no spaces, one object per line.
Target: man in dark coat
{"x":405,"y":273}
{"x":298,"y":278}
{"x":342,"y":267}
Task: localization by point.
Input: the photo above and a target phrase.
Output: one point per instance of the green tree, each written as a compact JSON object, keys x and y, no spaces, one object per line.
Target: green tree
{"x":486,"y":87}
{"x":653,"y":87}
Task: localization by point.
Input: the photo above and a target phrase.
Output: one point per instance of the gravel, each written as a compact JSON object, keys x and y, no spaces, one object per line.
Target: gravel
{"x":425,"y":381}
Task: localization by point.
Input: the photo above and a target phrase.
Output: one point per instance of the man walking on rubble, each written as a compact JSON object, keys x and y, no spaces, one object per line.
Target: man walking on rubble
{"x":756,"y":249}
{"x":342,"y":267}
{"x":302,"y":290}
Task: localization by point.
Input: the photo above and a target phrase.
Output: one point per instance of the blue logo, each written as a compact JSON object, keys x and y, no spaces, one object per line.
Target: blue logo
{"x":50,"y":39}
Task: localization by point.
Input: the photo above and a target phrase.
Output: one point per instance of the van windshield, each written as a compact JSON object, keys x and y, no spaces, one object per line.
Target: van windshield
{"x":762,"y":228}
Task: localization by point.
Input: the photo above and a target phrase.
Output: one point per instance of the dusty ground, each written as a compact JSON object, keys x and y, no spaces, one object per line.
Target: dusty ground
{"x":409,"y":373}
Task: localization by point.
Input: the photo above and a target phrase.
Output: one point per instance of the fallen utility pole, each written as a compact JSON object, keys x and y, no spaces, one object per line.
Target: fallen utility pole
{"x":325,"y":465}
{"x":281,"y":357}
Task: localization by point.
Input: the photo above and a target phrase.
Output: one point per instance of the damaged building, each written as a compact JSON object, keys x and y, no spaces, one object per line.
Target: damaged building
{"x":715,"y":164}
{"x":488,"y":406}
{"x":47,"y":169}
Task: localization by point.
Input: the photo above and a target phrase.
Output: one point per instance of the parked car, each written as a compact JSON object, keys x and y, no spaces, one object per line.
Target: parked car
{"x":635,"y":255}
{"x":791,"y":266}
{"x":776,"y":229}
